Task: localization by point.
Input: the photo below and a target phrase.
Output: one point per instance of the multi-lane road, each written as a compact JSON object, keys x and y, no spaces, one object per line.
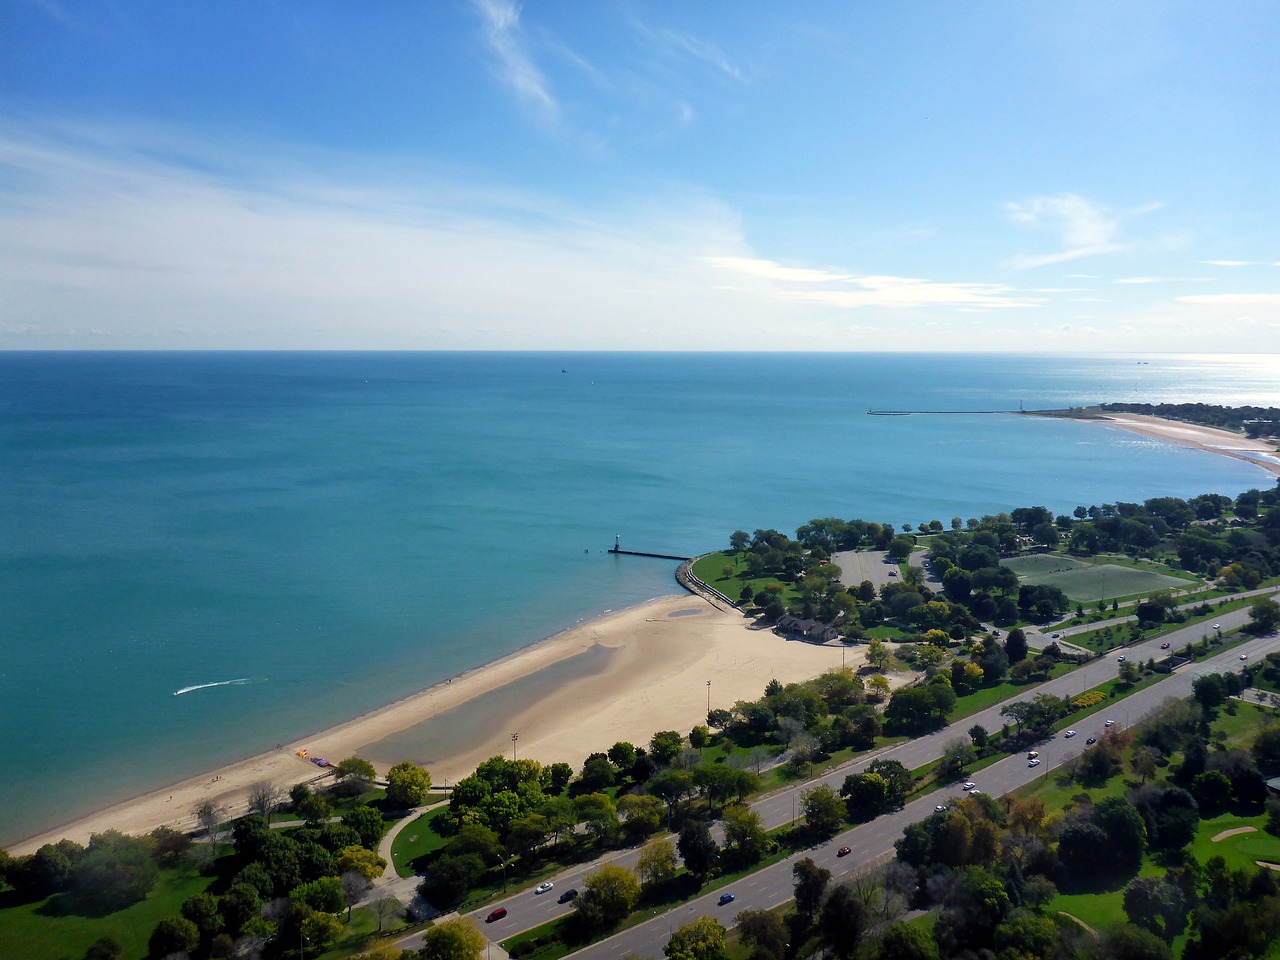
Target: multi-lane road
{"x":874,"y":841}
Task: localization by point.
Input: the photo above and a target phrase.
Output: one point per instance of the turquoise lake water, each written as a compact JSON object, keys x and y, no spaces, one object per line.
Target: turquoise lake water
{"x":339,"y":530}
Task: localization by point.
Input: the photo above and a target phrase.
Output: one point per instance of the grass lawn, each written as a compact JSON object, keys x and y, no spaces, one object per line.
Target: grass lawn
{"x":985,"y":697}
{"x":417,"y":840}
{"x":1086,"y":582}
{"x":35,"y":931}
{"x":710,"y":570}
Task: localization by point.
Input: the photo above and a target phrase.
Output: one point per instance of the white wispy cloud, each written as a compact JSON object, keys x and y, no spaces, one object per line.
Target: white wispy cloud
{"x":1230,"y":263}
{"x":500,"y":20}
{"x":674,"y":44}
{"x":1146,"y":280}
{"x":1083,"y":229}
{"x":848,"y":291}
{"x":1233,"y":299}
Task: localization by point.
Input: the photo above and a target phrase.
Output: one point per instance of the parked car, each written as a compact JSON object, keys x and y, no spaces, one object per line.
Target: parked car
{"x":726,"y":898}
{"x":543,"y":887}
{"x":568,"y":895}
{"x":496,"y":915}
{"x":843,"y":852}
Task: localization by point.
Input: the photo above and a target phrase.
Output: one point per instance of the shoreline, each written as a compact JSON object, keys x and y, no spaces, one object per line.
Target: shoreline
{"x":652,"y":675}
{"x":1193,"y":436}
{"x":657,"y":658}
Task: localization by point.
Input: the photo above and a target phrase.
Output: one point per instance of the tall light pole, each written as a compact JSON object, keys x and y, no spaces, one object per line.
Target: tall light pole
{"x":708,"y":697}
{"x":514,"y":738}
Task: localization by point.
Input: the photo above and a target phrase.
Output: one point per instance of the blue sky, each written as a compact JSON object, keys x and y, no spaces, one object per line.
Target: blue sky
{"x":479,"y":174}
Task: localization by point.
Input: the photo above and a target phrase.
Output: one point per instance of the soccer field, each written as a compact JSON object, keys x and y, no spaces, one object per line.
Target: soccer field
{"x":1086,"y":582}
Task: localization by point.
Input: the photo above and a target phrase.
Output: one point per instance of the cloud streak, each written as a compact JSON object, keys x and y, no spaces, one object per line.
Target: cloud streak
{"x":1084,"y":229}
{"x":500,"y":21}
{"x":849,"y":292}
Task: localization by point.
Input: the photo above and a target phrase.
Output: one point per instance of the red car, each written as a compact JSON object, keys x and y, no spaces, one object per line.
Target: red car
{"x":843,"y":852}
{"x":496,"y":915}
{"x":1165,"y":645}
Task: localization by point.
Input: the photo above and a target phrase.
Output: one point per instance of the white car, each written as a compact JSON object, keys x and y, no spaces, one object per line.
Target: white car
{"x":1069,"y":733}
{"x":1120,"y":659}
{"x":1033,"y":762}
{"x":543,"y":887}
{"x":968,"y":785}
{"x":1108,"y":723}
{"x":1217,"y":626}
{"x":974,"y":792}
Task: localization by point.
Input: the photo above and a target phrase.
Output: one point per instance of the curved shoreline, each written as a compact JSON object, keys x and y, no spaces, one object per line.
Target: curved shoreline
{"x":660,"y":656}
{"x":1193,"y":436}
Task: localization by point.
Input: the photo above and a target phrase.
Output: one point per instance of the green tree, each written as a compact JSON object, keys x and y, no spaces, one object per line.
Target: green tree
{"x":408,"y":785}
{"x":698,"y":850}
{"x":764,"y":932}
{"x":810,"y":886}
{"x":665,"y":746}
{"x":701,"y":939}
{"x":699,"y":737}
{"x":356,"y":769}
{"x":822,"y":809}
{"x":315,"y":809}
{"x":173,"y":935}
{"x":1126,"y":942}
{"x":622,"y":755}
{"x":844,"y":920}
{"x":202,"y":909}
{"x":367,"y":823}
{"x":454,"y":939}
{"x":114,"y":872}
{"x":904,"y":941}
{"x":1264,"y":616}
{"x":657,"y":862}
{"x":322,"y":930}
{"x":1155,"y":904}
{"x":641,"y":815}
{"x":1015,"y":645}
{"x":359,"y":860}
{"x":607,"y":897}
{"x":324,"y":895}
{"x":744,"y":834}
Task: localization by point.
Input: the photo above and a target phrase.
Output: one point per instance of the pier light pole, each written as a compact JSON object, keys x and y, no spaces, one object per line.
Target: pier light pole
{"x":708,"y":696}
{"x":514,"y":738}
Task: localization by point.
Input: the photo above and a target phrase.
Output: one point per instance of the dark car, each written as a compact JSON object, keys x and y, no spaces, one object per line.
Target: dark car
{"x":568,"y":895}
{"x":843,"y":852}
{"x":496,"y":915}
{"x":1092,"y":740}
{"x":726,"y":898}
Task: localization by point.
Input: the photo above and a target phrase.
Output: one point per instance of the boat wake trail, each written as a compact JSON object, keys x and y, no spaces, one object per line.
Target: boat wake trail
{"x":205,"y":686}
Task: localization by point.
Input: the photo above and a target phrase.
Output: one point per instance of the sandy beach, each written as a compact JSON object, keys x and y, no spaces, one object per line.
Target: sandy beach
{"x":1209,"y":439}
{"x":659,"y":657}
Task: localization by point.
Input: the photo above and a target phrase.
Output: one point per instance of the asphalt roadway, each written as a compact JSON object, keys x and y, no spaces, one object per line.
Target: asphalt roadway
{"x":873,"y":841}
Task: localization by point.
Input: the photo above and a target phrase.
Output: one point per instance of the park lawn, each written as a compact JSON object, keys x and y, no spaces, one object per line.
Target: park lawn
{"x":1102,"y":911}
{"x":35,"y":931}
{"x":710,"y":570}
{"x":1239,"y":729}
{"x":416,"y":841}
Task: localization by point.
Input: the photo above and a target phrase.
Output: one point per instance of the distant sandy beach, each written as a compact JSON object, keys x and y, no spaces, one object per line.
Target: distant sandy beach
{"x":1209,"y":439}
{"x":653,"y":676}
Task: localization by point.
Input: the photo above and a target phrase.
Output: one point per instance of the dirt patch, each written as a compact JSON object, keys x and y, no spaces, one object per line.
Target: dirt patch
{"x":1231,"y":833}
{"x":1269,"y":866}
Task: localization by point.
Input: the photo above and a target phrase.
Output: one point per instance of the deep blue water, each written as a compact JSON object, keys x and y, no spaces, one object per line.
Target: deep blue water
{"x":343,"y":529}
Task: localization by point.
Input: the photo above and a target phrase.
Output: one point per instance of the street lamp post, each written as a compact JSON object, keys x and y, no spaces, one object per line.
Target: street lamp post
{"x":514,"y":738}
{"x":708,"y":698}
{"x":504,"y":872}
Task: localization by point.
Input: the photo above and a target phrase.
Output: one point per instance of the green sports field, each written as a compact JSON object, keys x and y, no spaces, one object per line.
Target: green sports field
{"x":1086,"y":582}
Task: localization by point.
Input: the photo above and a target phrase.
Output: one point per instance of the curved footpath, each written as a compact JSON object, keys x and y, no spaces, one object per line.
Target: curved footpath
{"x":873,"y":841}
